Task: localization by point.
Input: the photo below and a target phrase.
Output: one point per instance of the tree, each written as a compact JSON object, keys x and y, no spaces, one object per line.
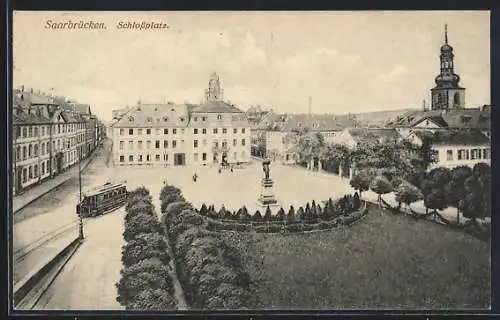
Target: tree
{"x":477,"y":201}
{"x":203,"y":209}
{"x":291,"y":214}
{"x":280,"y":216}
{"x":268,"y":215}
{"x":301,"y":213}
{"x":361,"y":181}
{"x":455,"y":188}
{"x":170,"y":194}
{"x":308,"y":145}
{"x":257,"y":216}
{"x":380,"y":185}
{"x":407,"y":193}
{"x":433,"y":189}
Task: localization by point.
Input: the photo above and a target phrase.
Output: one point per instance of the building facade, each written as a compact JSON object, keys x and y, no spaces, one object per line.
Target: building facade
{"x":213,"y":132}
{"x":48,"y":135}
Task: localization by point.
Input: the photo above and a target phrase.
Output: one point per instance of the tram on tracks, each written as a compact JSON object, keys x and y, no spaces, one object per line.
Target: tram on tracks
{"x":102,"y":199}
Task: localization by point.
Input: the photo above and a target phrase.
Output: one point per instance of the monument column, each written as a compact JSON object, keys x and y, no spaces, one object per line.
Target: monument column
{"x":267,"y":197}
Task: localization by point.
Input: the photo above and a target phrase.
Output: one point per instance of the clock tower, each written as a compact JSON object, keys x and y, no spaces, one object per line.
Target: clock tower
{"x":447,"y":94}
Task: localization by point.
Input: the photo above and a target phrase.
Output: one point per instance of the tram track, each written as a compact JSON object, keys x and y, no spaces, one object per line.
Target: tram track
{"x":21,"y":253}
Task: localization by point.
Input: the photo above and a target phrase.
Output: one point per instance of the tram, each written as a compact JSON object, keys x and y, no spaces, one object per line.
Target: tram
{"x":102,"y":199}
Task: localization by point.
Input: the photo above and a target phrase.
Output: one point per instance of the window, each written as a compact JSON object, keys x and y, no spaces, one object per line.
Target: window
{"x":157,"y":144}
{"x":195,"y":143}
{"x":216,"y":144}
{"x":157,"y":157}
{"x":242,"y":142}
{"x":195,"y":156}
{"x":35,"y":171}
{"x":43,"y":169}
{"x":449,"y":155}
{"x":148,"y":157}
{"x":174,"y":131}
{"x":140,"y":158}
{"x":219,"y":117}
{"x":224,"y":144}
{"x":467,"y":154}
{"x":122,"y":143}
{"x":461,"y":154}
{"x":234,"y":142}
{"x":139,"y":131}
{"x":122,"y":158}
{"x":157,"y":131}
{"x":130,"y":158}
{"x":195,"y":131}
{"x":148,"y":144}
{"x":139,"y":145}
{"x":165,"y":157}
{"x":473,"y":154}
{"x":165,"y":131}
{"x":148,"y":131}
{"x":130,"y":132}
{"x":215,"y":130}
{"x":30,"y":148}
{"x":18,"y":153}
{"x":131,"y":145}
{"x":204,"y":131}
{"x":195,"y":119}
{"x":174,"y":143}
{"x":224,"y":130}
{"x":30,"y":132}
{"x":165,"y":144}
{"x":204,"y":118}
{"x":25,"y":132}
{"x":36,"y":131}
{"x":204,"y":156}
{"x":486,"y":153}
{"x":30,"y":173}
{"x":242,"y":130}
{"x":235,"y":130}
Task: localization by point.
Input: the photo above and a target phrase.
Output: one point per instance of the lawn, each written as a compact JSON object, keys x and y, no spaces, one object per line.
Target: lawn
{"x":382,"y":261}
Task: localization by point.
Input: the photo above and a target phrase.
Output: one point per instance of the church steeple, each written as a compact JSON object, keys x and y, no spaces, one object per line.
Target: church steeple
{"x":447,"y":93}
{"x":446,"y":34}
{"x":214,"y":91}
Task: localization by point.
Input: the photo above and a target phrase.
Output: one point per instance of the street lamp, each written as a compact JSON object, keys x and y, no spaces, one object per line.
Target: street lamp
{"x":80,"y":185}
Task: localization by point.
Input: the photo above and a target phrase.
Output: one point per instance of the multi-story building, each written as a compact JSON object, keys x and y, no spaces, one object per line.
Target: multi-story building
{"x":452,"y":148}
{"x":178,"y":134}
{"x":47,"y":134}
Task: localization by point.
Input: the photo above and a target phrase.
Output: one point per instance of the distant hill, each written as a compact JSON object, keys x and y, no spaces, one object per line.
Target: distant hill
{"x":379,"y":118}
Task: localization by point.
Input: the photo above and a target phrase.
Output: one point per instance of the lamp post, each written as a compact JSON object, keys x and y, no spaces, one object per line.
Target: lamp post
{"x":80,"y":197}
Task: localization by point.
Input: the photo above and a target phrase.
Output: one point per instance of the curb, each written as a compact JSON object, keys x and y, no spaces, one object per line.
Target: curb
{"x":21,"y":296}
{"x":50,"y":189}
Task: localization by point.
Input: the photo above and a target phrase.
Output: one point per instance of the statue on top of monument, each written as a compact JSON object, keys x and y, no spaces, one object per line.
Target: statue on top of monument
{"x":265,"y":167}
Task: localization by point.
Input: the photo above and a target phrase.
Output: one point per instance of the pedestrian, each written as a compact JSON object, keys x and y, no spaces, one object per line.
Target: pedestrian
{"x":231,"y":168}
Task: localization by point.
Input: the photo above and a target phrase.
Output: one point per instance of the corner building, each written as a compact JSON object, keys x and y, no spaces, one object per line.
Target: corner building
{"x":183,"y":134}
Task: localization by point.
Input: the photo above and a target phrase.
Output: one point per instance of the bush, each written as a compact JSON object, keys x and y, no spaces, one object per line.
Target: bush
{"x":380,"y":185}
{"x":145,"y":246}
{"x":141,"y":280}
{"x":203,"y":210}
{"x":141,"y":224}
{"x":170,"y":194}
{"x":280,"y":216}
{"x":291,"y":214}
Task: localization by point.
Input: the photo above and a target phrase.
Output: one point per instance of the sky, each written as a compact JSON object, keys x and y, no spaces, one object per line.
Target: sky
{"x":345,"y":61}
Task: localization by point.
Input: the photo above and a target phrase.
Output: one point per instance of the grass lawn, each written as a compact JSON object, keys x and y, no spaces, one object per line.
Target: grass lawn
{"x":382,"y":261}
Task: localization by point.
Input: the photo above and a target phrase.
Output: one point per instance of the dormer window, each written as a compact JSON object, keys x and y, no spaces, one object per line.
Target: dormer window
{"x":219,"y":117}
{"x":156,"y":109}
{"x":204,"y":118}
{"x":195,"y":119}
{"x":165,"y":119}
{"x":131,"y":119}
{"x":149,"y":119}
{"x":172,"y":109}
{"x":181,"y":119}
